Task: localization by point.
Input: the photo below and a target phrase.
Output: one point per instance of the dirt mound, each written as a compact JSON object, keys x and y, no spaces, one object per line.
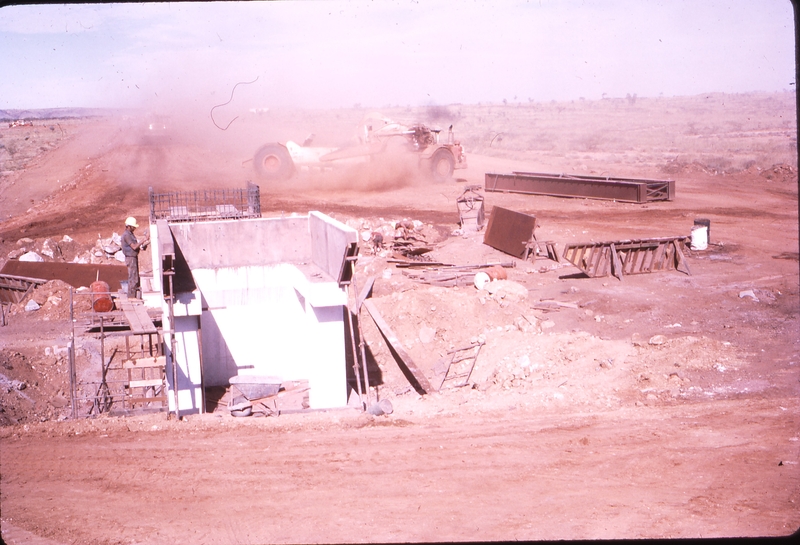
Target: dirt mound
{"x":50,"y":301}
{"x":681,"y":166}
{"x":34,"y":384}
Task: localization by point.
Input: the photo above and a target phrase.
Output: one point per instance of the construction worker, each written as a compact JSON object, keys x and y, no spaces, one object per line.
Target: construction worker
{"x":130,"y":248}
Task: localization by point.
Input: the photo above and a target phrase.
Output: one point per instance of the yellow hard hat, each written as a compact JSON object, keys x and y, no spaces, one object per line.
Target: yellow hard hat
{"x":132,"y":222}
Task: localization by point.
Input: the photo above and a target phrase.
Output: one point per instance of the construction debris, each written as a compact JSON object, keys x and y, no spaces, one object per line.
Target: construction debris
{"x":548,"y":305}
{"x":470,"y":209}
{"x":282,"y":398}
{"x":408,"y":242}
{"x":506,"y":290}
{"x":442,"y":274}
{"x":456,"y":367}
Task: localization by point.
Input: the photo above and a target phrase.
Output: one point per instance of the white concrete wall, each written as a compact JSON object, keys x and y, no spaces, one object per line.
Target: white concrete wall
{"x":325,"y":356}
{"x":187,"y":356}
{"x":263,"y":321}
{"x":239,"y":243}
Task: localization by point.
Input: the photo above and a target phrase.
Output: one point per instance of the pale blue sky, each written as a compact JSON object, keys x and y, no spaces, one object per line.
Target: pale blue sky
{"x":339,"y":53}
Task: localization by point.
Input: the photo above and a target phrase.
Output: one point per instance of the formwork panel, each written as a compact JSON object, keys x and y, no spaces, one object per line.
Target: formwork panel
{"x":626,"y":257}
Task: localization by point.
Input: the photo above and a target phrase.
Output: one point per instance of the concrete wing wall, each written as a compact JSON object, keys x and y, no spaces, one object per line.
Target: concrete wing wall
{"x":329,"y":239}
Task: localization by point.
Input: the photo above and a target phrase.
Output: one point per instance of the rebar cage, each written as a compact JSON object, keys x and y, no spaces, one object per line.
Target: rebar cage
{"x":206,"y":204}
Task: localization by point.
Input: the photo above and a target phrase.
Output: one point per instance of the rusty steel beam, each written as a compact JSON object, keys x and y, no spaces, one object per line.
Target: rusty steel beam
{"x":626,"y":257}
{"x":633,"y":190}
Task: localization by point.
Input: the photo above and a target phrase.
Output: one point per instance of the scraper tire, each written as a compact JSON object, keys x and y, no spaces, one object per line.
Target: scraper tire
{"x":442,"y":165}
{"x":273,"y":162}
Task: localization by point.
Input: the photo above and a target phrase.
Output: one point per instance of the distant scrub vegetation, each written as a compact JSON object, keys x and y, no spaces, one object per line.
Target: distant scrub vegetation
{"x":718,"y":131}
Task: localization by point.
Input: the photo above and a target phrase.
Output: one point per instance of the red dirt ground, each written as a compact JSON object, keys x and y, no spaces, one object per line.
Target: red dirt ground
{"x":574,"y":425}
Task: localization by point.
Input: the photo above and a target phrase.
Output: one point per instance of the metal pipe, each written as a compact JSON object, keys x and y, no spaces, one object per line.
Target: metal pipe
{"x":173,"y":344}
{"x":353,"y":348}
{"x":361,"y":339}
{"x":72,"y":388}
{"x":103,"y":384}
{"x":200,"y":353}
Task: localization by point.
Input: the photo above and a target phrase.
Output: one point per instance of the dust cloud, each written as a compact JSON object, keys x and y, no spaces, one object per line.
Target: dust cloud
{"x":189,"y":128}
{"x":183,"y":143}
{"x":388,"y":172}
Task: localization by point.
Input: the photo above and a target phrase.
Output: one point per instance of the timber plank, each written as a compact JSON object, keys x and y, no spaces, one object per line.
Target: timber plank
{"x":137,"y":400}
{"x":403,"y":359}
{"x":146,"y":383}
{"x":141,"y":363}
{"x":137,"y":317}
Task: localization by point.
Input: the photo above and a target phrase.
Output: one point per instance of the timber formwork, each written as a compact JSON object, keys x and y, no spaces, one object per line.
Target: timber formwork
{"x":129,"y":376}
{"x":634,"y":190}
{"x":13,"y":289}
{"x":626,"y":257}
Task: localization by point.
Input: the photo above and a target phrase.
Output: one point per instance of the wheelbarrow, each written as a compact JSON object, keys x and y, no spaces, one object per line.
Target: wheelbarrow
{"x":253,"y":389}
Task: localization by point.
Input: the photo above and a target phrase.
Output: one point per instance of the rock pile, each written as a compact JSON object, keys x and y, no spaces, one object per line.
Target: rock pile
{"x":780,"y":173}
{"x":67,"y":250}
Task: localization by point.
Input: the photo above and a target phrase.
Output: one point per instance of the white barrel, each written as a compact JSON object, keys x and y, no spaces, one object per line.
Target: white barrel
{"x":699,"y":237}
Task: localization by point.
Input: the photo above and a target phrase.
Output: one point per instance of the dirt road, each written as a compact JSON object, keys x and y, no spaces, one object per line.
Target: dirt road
{"x":705,"y":469}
